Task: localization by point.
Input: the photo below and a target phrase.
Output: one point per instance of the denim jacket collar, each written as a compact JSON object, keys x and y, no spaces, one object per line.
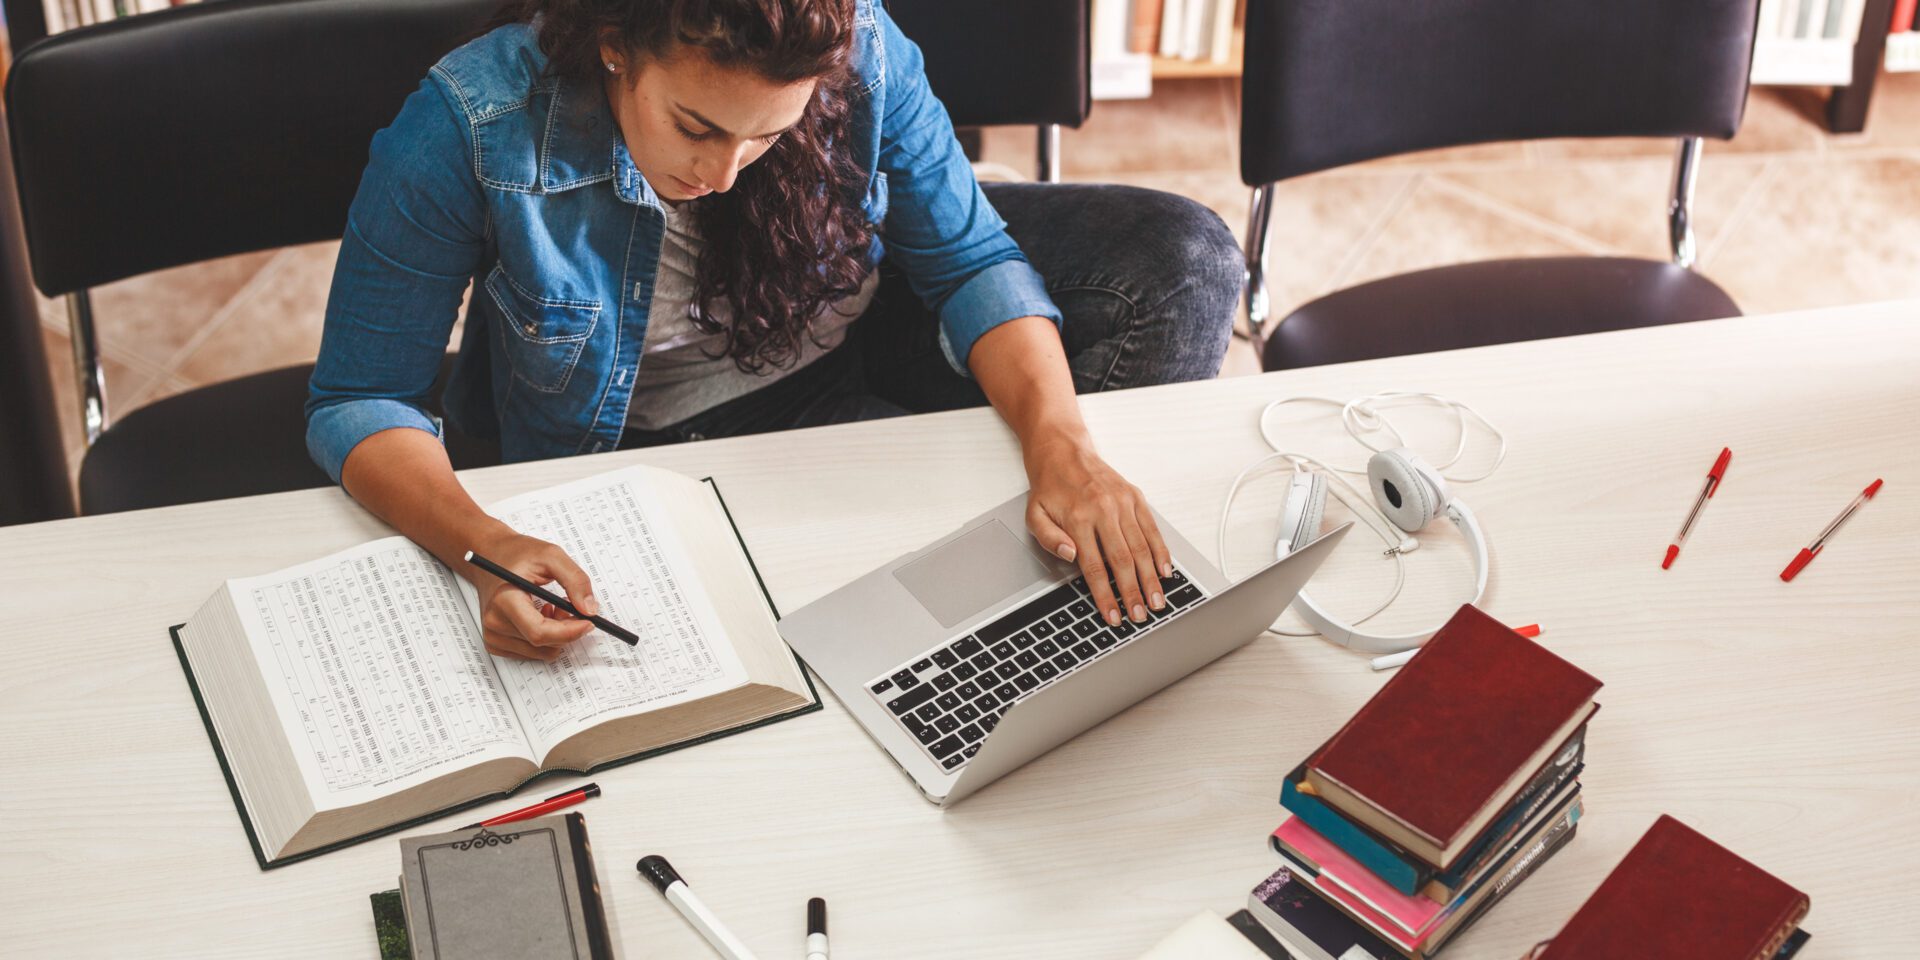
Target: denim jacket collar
{"x":584,"y":145}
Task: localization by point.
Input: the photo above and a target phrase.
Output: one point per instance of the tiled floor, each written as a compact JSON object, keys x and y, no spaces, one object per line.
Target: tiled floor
{"x":1788,"y":217}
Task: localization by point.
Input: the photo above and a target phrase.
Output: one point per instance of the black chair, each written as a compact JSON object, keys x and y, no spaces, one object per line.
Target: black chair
{"x":199,"y":132}
{"x":1006,"y":63}
{"x":1333,"y":82}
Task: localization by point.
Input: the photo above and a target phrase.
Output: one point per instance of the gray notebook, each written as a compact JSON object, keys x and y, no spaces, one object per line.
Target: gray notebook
{"x":524,"y":891}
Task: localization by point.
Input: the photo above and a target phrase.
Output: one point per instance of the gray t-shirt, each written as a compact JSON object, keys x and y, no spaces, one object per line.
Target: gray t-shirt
{"x":678,"y":375}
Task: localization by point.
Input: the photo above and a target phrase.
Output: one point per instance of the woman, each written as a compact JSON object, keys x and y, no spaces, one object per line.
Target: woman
{"x":673,"y":212}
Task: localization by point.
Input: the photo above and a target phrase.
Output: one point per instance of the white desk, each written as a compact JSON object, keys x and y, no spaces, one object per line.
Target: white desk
{"x":1781,"y":719}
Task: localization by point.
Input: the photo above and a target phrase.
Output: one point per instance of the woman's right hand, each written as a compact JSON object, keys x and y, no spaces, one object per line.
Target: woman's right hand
{"x":517,"y":624}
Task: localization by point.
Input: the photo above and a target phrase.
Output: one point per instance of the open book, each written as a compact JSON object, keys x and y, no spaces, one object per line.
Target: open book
{"x":353,"y":695}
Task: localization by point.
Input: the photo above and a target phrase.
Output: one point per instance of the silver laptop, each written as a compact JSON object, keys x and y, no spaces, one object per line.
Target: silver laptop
{"x":982,"y":651}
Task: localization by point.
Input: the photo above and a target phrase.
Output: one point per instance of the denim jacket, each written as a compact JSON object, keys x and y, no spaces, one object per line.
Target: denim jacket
{"x":497,"y":174}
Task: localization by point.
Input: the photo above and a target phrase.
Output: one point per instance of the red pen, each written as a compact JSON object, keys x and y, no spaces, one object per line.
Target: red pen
{"x":1713,"y":484}
{"x":1811,"y":550}
{"x":559,"y":801}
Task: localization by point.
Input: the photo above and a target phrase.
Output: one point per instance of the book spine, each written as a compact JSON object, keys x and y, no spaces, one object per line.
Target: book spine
{"x":1173,"y":19}
{"x":1525,"y":805}
{"x":1145,"y":35}
{"x":1404,"y":875}
{"x":1193,"y":32}
{"x":599,"y":941}
{"x":1220,"y":44}
{"x":1534,"y":858}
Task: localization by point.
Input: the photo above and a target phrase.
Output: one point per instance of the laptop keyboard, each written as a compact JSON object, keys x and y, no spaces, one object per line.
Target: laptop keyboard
{"x":951,"y":697}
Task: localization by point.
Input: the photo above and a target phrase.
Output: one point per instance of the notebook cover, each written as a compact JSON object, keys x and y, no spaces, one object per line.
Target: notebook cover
{"x":1679,"y":894}
{"x":253,"y":839}
{"x":501,"y":893}
{"x":1443,"y":736}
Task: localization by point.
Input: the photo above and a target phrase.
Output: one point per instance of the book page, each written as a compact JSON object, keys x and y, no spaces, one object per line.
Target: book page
{"x":619,"y":533}
{"x":377,"y":671}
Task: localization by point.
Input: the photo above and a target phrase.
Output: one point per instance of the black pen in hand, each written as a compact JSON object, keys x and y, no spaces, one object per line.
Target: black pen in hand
{"x":550,"y":597}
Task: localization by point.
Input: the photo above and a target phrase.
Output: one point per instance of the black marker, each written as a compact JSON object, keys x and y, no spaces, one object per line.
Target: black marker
{"x":816,"y":929}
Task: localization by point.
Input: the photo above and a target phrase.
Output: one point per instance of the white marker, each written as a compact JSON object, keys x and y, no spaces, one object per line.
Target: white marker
{"x":660,"y":873}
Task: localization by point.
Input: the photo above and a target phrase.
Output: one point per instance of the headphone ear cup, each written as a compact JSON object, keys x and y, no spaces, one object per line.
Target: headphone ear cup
{"x":1404,"y":492}
{"x":1301,"y":515}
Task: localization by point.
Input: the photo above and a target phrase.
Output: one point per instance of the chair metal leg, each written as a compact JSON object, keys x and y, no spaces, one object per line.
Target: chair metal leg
{"x":1047,"y":157}
{"x":87,"y":373}
{"x":1686,"y":164}
{"x":1259,"y":218}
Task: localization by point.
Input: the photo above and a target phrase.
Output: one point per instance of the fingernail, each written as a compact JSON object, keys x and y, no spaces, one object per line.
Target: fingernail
{"x":1166,"y":570}
{"x":1065,"y":551}
{"x":1157,"y":600}
{"x":591,"y":605}
{"x":1113,"y":618}
{"x":1139,"y":613}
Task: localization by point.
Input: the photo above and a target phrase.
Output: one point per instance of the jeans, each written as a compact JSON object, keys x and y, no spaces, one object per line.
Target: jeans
{"x":1148,"y":284}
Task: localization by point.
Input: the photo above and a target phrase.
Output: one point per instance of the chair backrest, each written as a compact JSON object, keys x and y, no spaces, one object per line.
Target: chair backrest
{"x":210,"y":129}
{"x":221,"y":128}
{"x":1003,"y":62}
{"x":1333,"y":82}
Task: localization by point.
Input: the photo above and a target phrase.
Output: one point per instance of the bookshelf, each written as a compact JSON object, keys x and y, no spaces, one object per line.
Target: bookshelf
{"x":1174,"y":68}
{"x":1848,"y":66}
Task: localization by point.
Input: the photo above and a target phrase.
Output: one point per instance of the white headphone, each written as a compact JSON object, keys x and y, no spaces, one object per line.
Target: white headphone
{"x":1407,"y":494}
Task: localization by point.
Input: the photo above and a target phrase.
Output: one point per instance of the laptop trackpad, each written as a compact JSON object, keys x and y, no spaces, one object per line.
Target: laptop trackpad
{"x":981,"y":568}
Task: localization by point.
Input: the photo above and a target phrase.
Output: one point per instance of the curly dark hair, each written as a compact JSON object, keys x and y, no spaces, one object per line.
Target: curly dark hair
{"x":789,"y":238}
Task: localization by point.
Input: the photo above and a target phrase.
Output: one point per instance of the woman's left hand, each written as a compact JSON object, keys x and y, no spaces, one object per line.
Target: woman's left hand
{"x":1084,"y":511}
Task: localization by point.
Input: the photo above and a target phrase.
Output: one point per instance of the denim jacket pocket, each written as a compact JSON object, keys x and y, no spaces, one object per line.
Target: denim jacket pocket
{"x":542,"y":336}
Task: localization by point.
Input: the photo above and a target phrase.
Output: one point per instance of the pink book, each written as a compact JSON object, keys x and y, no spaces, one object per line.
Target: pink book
{"x":1405,"y":920}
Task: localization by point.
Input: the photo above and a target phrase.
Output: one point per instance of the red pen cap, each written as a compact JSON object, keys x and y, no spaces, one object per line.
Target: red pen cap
{"x":1719,"y":469}
{"x":1872,"y":488}
{"x":1799,"y":563}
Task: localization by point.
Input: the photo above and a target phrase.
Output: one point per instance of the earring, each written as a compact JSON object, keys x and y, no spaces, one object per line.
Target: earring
{"x":611,"y":68}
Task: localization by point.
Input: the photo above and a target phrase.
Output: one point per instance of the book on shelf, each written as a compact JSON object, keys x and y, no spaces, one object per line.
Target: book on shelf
{"x":353,"y":695}
{"x":1143,"y":33}
{"x":1173,"y":23}
{"x":1117,"y":71}
{"x":1443,"y":748}
{"x":1679,"y":894}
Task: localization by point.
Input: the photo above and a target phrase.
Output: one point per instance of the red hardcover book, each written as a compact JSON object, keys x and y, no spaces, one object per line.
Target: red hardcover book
{"x":1457,"y":732}
{"x":1679,"y":894}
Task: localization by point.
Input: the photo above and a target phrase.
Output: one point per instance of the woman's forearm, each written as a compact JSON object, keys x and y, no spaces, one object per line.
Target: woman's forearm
{"x":403,"y":476}
{"x":1022,"y":368}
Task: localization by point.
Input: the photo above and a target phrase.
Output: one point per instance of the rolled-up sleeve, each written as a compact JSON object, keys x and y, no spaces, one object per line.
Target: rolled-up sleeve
{"x":940,"y":230}
{"x":414,"y":235}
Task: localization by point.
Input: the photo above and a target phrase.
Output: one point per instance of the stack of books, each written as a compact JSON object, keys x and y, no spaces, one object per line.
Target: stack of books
{"x":1452,"y":785}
